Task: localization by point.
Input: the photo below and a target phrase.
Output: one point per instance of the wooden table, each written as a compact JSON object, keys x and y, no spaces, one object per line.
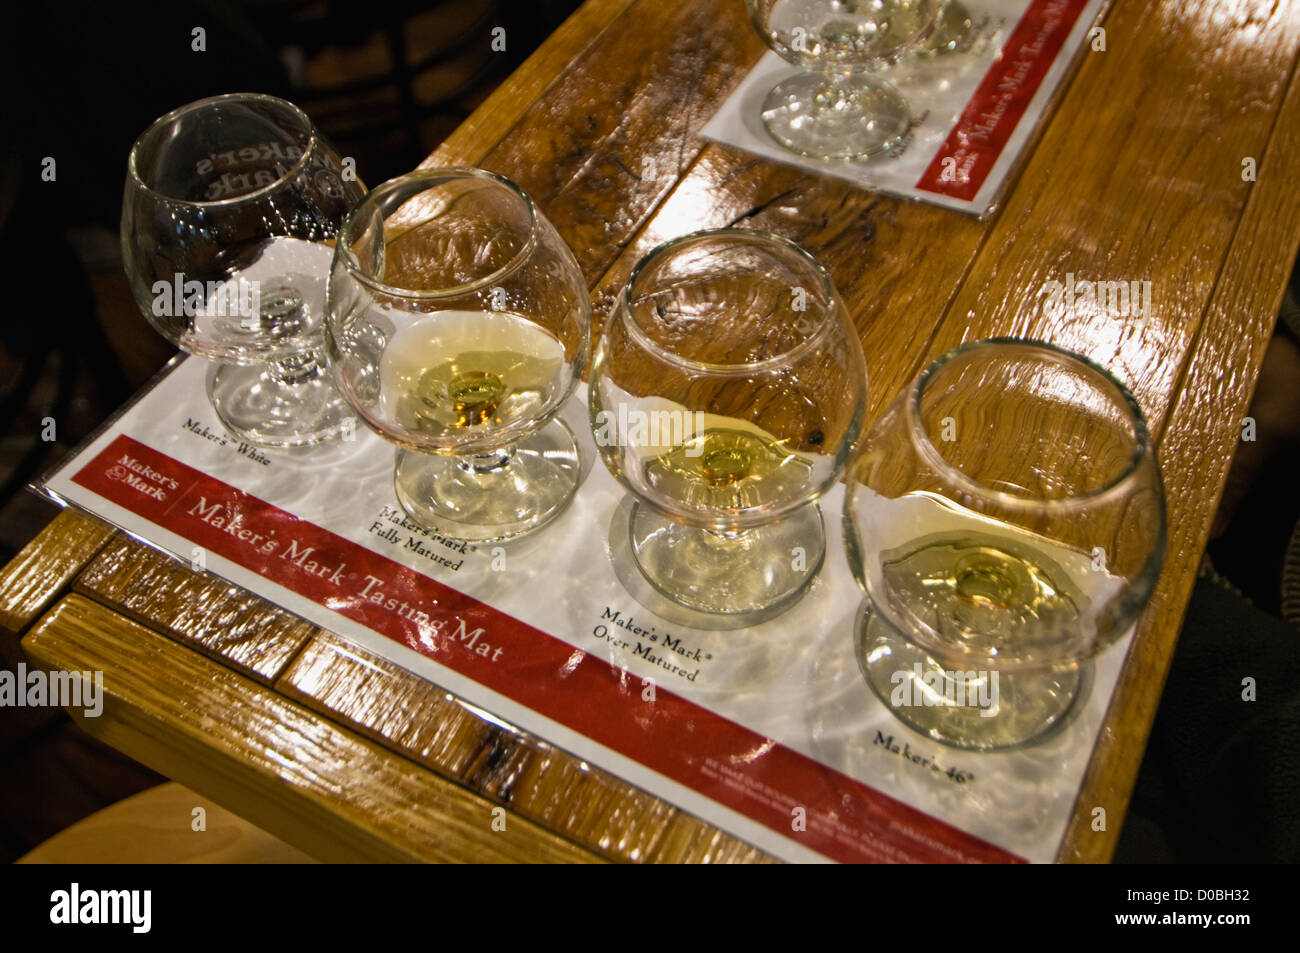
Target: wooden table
{"x":1137,"y":175}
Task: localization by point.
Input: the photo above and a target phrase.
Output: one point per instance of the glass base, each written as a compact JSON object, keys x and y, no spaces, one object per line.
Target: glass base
{"x":979,"y":711}
{"x":262,"y":409}
{"x":494,"y":496}
{"x":723,"y":581}
{"x":837,"y":118}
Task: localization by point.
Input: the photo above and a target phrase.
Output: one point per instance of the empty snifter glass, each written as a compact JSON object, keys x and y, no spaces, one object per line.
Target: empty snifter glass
{"x":230,"y":207}
{"x":840,"y":109}
{"x":727,"y":392}
{"x":1006,"y":521}
{"x":458,"y":325}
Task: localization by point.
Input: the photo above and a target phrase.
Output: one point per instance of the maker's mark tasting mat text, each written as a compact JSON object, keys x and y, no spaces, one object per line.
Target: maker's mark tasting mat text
{"x":769,"y":733}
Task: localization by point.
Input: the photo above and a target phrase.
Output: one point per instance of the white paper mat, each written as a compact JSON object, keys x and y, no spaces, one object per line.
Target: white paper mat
{"x":791,"y":699}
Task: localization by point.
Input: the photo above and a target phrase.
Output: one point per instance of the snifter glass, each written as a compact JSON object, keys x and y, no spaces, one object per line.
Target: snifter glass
{"x":458,"y":325}
{"x":1006,"y":521}
{"x":230,"y":207}
{"x":727,"y":392}
{"x":840,"y":108}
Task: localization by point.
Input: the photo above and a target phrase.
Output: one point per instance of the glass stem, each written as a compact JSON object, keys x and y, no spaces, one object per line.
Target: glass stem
{"x":296,"y":368}
{"x":482,"y":463}
{"x":732,"y":539}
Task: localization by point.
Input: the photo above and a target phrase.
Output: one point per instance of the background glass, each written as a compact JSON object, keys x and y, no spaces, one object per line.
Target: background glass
{"x":954,"y":31}
{"x":458,"y":325}
{"x":229,"y":210}
{"x":1006,"y":516}
{"x":839,"y":110}
{"x":727,"y":392}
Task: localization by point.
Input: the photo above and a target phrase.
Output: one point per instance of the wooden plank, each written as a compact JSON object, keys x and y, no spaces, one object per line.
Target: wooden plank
{"x":320,"y":788}
{"x":495,"y":116}
{"x":33,"y":579}
{"x":1196,"y":451}
{"x":582,"y":802}
{"x":201,"y":610}
{"x":387,"y":703}
{"x":421,"y":721}
{"x":643,"y":92}
{"x":691,"y":841}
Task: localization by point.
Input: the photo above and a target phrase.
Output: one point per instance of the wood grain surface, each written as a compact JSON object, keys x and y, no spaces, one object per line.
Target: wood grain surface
{"x":261,"y":756}
{"x":539,"y":782}
{"x":31,"y":580}
{"x":1201,"y":430}
{"x":201,"y":610}
{"x":1136,"y":176}
{"x":490,"y":123}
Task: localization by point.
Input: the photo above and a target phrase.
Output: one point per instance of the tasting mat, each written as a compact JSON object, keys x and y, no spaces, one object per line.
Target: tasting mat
{"x":769,"y":733}
{"x":975,"y":110}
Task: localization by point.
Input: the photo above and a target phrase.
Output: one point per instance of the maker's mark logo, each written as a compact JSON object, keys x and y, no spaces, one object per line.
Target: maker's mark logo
{"x":141,"y":477}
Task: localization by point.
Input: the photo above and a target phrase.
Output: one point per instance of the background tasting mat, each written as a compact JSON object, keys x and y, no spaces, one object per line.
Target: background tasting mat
{"x":975,"y":111}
